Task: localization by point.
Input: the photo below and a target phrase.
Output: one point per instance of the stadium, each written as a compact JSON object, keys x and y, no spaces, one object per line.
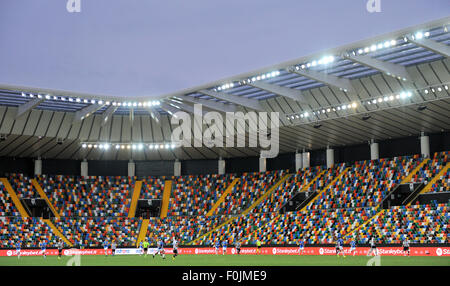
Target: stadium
{"x":360,"y":171}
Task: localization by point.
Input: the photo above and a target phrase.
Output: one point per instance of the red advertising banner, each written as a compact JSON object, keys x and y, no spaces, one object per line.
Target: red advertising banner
{"x":383,"y":251}
{"x":49,"y":252}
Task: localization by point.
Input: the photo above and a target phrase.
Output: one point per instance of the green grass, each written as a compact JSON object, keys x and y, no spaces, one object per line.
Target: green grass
{"x":228,"y":260}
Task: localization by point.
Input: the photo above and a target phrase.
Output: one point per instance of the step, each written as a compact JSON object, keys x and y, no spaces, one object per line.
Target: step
{"x":41,"y":192}
{"x":380,"y":212}
{"x":142,"y":231}
{"x":57,"y":232}
{"x":266,"y":194}
{"x":305,"y":187}
{"x":223,"y":197}
{"x":14,"y":197}
{"x":166,"y":198}
{"x":257,"y":202}
{"x":430,"y":184}
{"x":326,"y":188}
{"x":416,"y":169}
{"x":135,"y":198}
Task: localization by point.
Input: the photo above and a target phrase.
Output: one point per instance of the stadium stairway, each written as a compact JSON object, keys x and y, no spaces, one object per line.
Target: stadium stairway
{"x":42,"y":194}
{"x":430,"y":184}
{"x":380,"y":212}
{"x":313,"y":181}
{"x":408,"y":178}
{"x":166,"y":198}
{"x":57,"y":232}
{"x":14,"y":197}
{"x":222,"y":197}
{"x":326,"y":188}
{"x":306,"y":187}
{"x":142,"y":231}
{"x":252,"y":206}
{"x":266,"y":194}
{"x":135,"y":198}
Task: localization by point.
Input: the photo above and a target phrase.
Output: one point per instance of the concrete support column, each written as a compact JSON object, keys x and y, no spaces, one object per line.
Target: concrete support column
{"x":84,"y":168}
{"x":221,"y":166}
{"x":177,"y":168}
{"x":131,"y":169}
{"x":374,"y":150}
{"x":38,"y":167}
{"x":424,"y":145}
{"x":330,"y":157}
{"x":306,"y":159}
{"x":298,"y":161}
{"x":262,"y":164}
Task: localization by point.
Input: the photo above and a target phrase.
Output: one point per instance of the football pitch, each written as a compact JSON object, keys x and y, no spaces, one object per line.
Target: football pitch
{"x":227,"y":260}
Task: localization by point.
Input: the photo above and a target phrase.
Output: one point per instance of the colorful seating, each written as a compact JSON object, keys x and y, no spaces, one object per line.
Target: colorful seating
{"x":29,"y":231}
{"x":90,"y":196}
{"x":93,"y":231}
{"x":195,"y":195}
{"x":419,"y":223}
{"x":185,"y":229}
{"x":366,"y":183}
{"x":249,"y":188}
{"x":95,"y":209}
{"x":7,"y":207}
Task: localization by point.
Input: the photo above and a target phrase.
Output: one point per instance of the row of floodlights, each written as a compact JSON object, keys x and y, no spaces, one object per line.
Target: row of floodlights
{"x":436,"y":89}
{"x":402,"y":95}
{"x":249,"y":80}
{"x":306,"y":114}
{"x":326,"y":60}
{"x":94,"y":101}
{"x":351,"y":106}
{"x":138,"y":146}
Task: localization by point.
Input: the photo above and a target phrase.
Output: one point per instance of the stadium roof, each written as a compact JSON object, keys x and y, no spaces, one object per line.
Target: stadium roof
{"x":322,"y":100}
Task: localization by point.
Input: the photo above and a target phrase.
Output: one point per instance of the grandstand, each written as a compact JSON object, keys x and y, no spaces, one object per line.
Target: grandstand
{"x":364,"y":151}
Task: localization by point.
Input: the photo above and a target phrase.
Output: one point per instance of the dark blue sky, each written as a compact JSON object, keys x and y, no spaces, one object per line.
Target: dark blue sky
{"x":144,"y":47}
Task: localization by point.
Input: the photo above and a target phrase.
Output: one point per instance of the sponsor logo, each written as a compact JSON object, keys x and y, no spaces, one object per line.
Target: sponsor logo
{"x":439,"y":251}
{"x":9,"y":253}
{"x":321,"y":251}
{"x":284,"y":250}
{"x":233,"y":251}
{"x":390,"y":251}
